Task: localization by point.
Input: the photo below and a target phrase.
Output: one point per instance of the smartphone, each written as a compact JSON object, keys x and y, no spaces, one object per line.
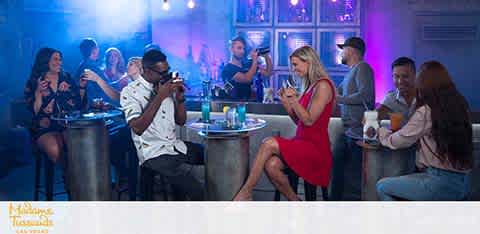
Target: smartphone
{"x":291,"y":82}
{"x":284,"y":84}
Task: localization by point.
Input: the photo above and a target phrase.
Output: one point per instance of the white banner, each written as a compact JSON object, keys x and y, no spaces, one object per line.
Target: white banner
{"x":244,"y":218}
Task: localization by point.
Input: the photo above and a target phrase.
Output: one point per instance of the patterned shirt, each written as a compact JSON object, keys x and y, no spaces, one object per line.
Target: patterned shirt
{"x":160,"y":137}
{"x":65,"y":99}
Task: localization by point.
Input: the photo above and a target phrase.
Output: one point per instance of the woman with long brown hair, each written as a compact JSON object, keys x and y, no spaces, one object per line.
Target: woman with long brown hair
{"x":50,"y":91}
{"x":442,"y":128}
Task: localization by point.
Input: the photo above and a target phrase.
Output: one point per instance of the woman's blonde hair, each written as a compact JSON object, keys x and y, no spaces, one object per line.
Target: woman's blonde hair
{"x":121,"y":62}
{"x":316,"y":70}
{"x":138,"y":62}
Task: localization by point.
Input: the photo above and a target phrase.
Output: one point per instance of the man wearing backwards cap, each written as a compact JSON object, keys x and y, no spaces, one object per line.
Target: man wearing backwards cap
{"x":153,"y":106}
{"x":355,"y":95}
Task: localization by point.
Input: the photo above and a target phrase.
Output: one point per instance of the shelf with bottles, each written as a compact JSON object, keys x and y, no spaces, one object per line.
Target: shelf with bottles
{"x":253,"y":12}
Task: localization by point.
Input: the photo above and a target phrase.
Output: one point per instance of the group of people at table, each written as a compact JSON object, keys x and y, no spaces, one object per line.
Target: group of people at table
{"x":436,"y":119}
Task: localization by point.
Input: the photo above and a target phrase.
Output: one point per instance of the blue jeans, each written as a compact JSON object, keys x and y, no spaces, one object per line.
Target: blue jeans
{"x":347,"y":171}
{"x":432,"y":185}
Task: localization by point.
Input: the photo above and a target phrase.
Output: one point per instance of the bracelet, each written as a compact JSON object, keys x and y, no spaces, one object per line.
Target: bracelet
{"x":181,"y":100}
{"x":83,"y":87}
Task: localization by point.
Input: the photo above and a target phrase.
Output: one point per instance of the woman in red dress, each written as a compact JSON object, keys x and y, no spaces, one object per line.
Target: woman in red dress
{"x":308,"y":154}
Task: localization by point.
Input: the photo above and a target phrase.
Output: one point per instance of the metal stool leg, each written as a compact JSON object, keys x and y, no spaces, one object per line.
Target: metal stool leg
{"x":38,"y":168}
{"x":325,"y":193}
{"x":49,"y":178}
{"x":132,"y":175}
{"x":310,"y":191}
{"x":146,"y":183}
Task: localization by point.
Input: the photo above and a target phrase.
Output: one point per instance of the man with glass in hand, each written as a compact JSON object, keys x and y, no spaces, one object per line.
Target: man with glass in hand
{"x":153,"y":106}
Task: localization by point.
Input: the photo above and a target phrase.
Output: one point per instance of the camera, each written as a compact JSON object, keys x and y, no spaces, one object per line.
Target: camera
{"x":171,"y":75}
{"x":263,"y":50}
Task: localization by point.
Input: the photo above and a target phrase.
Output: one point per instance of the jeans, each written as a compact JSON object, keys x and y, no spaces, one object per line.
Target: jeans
{"x":432,"y":185}
{"x":178,"y":171}
{"x":347,"y":171}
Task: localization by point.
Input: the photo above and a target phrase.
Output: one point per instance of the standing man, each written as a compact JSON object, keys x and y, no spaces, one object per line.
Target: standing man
{"x":90,"y":75}
{"x":239,"y":75}
{"x":153,"y":106}
{"x":356,"y":94}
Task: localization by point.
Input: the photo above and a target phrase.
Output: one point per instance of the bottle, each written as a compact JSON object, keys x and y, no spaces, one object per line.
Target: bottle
{"x":370,"y":128}
{"x":232,"y":118}
{"x":206,"y":89}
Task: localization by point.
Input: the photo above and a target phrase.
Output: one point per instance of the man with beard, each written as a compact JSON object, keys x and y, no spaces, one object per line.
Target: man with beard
{"x":238,"y":74}
{"x":356,"y":94}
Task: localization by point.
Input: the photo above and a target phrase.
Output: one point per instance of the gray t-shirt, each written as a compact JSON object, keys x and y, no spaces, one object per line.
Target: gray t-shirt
{"x":356,"y":94}
{"x":396,"y":103}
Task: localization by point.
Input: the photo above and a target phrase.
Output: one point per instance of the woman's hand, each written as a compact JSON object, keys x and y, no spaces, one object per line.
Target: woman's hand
{"x":290,"y":95}
{"x":42,"y":86}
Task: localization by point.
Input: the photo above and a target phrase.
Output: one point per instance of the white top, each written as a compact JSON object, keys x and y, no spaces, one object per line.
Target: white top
{"x":160,"y":137}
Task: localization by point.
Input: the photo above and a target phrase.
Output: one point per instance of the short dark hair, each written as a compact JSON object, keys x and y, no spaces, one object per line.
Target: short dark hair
{"x":239,"y":39}
{"x":403,"y":61}
{"x":152,"y":57}
{"x":86,"y":47}
{"x":151,"y":46}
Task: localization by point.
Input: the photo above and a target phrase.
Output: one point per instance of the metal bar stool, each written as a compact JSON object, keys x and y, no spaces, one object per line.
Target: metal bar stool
{"x":48,"y":167}
{"x":310,"y":190}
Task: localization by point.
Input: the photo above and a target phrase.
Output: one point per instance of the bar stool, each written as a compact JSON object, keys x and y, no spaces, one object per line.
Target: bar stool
{"x":310,"y":190}
{"x":48,"y":176}
{"x":147,"y":183}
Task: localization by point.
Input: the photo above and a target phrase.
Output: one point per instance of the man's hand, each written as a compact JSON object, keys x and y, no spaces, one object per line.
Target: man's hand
{"x":165,"y":90}
{"x":91,"y":76}
{"x":180,"y":89}
{"x":254,"y":55}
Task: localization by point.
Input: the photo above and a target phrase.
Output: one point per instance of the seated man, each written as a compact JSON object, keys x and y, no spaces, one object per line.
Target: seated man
{"x":153,"y":105}
{"x":402,"y":99}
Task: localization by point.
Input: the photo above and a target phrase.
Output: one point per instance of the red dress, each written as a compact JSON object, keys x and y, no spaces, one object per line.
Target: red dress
{"x":308,"y":154}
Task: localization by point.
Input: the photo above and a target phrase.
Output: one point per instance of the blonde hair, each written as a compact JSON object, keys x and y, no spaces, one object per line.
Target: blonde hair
{"x":121,"y":62}
{"x":137,"y":61}
{"x":316,"y":70}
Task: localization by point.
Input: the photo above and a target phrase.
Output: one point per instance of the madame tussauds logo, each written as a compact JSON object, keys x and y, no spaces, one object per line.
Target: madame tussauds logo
{"x":25,"y":218}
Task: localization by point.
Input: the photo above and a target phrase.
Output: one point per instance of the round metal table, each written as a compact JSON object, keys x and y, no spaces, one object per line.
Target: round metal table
{"x":88,"y":163}
{"x":379,"y":162}
{"x":227,"y":156}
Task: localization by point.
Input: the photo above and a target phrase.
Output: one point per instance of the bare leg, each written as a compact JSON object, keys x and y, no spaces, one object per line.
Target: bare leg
{"x":274,"y":168}
{"x":268,"y":148}
{"x":51,"y":144}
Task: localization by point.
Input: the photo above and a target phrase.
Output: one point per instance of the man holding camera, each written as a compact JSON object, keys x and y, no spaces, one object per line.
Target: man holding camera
{"x":237,"y":75}
{"x":153,"y":106}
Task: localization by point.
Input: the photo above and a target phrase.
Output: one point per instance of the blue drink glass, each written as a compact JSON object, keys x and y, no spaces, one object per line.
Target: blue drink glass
{"x":206,"y":111}
{"x":242,"y":112}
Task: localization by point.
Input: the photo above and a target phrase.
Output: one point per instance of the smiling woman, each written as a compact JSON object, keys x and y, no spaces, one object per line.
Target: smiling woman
{"x":48,"y":92}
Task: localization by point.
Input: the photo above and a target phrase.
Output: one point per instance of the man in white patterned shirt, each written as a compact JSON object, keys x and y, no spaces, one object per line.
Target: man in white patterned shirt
{"x":153,"y":106}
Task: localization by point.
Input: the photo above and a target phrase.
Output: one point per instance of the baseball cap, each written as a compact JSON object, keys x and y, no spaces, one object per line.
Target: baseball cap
{"x":355,"y":42}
